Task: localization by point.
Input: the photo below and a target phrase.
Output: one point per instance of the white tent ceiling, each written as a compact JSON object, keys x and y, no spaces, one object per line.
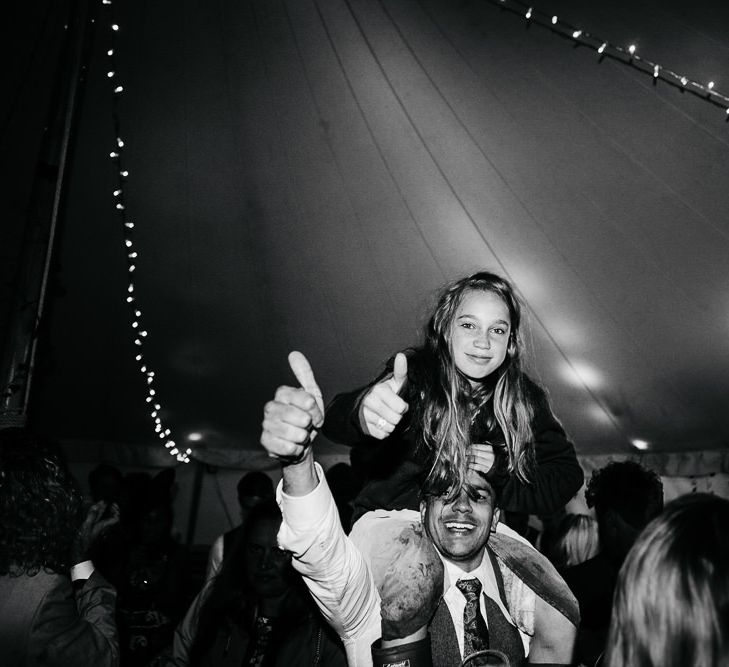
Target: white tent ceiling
{"x":304,"y":174}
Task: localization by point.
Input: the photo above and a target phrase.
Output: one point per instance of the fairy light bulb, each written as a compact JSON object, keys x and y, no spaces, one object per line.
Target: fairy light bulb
{"x":115,"y":27}
{"x":602,"y":48}
{"x":710,"y":85}
{"x":554,"y":20}
{"x":631,"y":49}
{"x":529,"y":13}
{"x":656,"y":69}
{"x":576,"y":34}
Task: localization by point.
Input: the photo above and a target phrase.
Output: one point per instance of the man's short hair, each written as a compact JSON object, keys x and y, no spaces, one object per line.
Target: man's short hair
{"x":628,"y":489}
{"x":41,"y":505}
{"x":442,"y":483}
{"x":255,"y":483}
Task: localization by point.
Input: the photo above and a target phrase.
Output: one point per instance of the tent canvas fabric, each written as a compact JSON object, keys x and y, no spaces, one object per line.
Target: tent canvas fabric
{"x":305,"y":174}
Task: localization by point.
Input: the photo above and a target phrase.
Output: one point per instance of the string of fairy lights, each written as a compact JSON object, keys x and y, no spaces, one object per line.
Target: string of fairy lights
{"x":139,"y":333}
{"x":627,"y":54}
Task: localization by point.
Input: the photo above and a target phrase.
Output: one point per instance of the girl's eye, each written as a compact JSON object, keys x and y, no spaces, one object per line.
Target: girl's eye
{"x":468,"y":325}
{"x":499,"y":331}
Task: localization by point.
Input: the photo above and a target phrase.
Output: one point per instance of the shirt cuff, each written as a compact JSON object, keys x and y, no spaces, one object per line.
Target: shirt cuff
{"x":304,"y":512}
{"x":82,"y":570}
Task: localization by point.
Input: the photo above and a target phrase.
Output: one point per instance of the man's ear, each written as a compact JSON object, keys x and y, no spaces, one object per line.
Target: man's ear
{"x":495,"y":519}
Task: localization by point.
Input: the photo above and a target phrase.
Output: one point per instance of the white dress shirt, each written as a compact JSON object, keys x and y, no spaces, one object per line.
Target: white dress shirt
{"x":456,"y":601}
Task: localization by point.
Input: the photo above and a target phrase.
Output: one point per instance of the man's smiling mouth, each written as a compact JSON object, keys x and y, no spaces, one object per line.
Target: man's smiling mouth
{"x":458,"y":526}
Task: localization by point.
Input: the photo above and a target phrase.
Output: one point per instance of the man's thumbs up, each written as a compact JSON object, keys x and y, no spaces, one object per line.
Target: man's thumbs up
{"x":302,"y":370}
{"x":290,"y":420}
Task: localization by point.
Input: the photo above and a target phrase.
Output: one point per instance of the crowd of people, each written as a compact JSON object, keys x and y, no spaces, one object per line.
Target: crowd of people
{"x":413,"y":555}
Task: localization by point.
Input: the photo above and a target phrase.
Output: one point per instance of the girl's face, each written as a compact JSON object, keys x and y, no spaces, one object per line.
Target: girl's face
{"x":479,"y":335}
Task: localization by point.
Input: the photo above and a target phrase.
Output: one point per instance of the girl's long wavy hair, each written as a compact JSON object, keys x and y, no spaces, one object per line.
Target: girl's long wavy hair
{"x":448,"y":404}
{"x":671,"y":605}
{"x":41,"y":505}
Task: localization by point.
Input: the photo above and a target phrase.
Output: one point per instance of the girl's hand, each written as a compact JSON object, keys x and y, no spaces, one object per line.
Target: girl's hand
{"x":481,"y":458}
{"x":382,"y":409}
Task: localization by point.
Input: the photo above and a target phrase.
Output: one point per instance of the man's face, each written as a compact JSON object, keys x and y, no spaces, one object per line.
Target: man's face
{"x":267,"y":566}
{"x":460,"y":528}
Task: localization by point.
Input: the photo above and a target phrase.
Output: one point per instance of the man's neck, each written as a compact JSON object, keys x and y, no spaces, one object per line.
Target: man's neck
{"x":459,"y":568}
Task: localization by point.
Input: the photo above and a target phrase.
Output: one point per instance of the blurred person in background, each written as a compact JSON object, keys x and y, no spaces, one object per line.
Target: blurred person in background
{"x":55,"y":607}
{"x":671,"y":605}
{"x":575,"y":540}
{"x":626,"y":497}
{"x":253,"y":488}
{"x":256,"y":611}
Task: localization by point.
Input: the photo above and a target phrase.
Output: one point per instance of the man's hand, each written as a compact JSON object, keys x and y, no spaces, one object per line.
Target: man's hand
{"x":382,"y":408}
{"x":290,"y":423}
{"x":291,"y":419}
{"x":93,"y":526}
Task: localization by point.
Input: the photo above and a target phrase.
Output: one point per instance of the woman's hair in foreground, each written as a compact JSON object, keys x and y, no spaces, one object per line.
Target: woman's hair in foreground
{"x":575,"y":541}
{"x":671,"y":605}
{"x":40,"y":505}
{"x":448,"y":401}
